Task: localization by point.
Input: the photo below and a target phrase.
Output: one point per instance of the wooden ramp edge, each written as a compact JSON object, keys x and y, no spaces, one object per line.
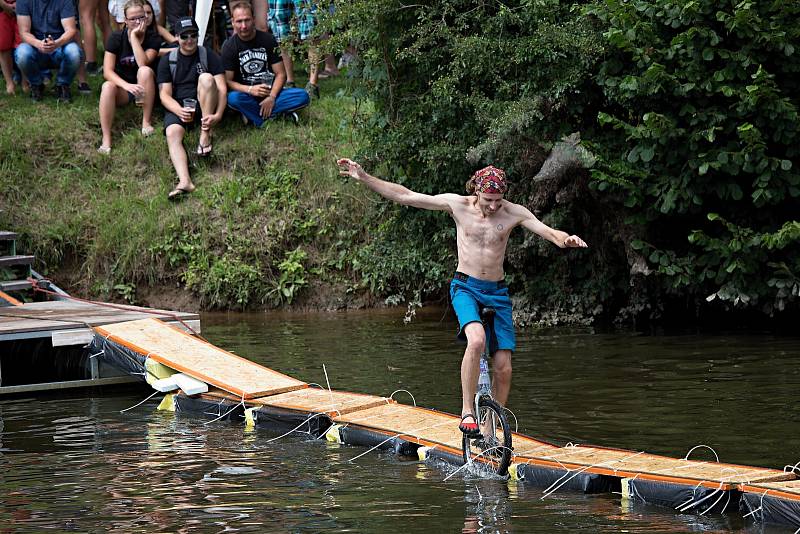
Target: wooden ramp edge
{"x":312,"y":400}
{"x":199,"y":359}
{"x":789,"y":489}
{"x":628,"y":464}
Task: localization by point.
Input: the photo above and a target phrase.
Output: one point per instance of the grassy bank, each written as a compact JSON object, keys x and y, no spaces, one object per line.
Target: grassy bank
{"x":270,"y":218}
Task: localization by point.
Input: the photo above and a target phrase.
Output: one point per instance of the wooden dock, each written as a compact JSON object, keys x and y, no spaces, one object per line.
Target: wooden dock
{"x":68,"y":324}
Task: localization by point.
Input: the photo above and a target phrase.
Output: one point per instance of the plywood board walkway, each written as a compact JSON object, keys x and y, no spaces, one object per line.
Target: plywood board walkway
{"x":332,"y":403}
{"x":625,"y":464}
{"x":199,"y":359}
{"x":311,"y":400}
{"x":423,"y":426}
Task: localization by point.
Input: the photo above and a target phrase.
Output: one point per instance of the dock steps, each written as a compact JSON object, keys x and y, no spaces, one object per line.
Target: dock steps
{"x":15,"y":285}
{"x":8,"y":261}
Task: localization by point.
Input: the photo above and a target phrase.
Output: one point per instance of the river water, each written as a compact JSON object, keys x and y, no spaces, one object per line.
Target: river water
{"x":73,"y":462}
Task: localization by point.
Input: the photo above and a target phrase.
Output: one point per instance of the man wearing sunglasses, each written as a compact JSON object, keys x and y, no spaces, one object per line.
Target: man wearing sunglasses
{"x":194,"y":76}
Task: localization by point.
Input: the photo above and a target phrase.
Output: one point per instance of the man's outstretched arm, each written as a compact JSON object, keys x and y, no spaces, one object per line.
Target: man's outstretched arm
{"x":395,"y":192}
{"x":557,"y":237}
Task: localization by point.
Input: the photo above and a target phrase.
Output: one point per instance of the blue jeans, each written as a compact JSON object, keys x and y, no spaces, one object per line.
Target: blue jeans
{"x":31,"y":62}
{"x":290,"y":99}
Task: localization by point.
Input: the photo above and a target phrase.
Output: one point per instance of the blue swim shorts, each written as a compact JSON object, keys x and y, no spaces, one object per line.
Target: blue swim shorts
{"x":466,"y":293}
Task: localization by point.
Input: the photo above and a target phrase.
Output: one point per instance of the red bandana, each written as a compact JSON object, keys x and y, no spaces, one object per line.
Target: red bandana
{"x":490,"y":180}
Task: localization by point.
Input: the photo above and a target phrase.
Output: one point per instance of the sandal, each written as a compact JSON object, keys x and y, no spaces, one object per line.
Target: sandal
{"x":147,"y":131}
{"x":178,"y":193}
{"x":470,"y":430}
{"x":204,"y":150}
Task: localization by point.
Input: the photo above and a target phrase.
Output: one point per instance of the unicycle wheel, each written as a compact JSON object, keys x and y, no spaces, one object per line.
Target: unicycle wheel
{"x":492,"y":450}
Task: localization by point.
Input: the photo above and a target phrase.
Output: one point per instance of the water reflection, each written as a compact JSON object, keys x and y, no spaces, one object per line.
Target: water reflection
{"x":77,"y":463}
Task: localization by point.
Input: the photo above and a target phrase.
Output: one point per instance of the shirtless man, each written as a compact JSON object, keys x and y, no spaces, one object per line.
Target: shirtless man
{"x":484,"y":221}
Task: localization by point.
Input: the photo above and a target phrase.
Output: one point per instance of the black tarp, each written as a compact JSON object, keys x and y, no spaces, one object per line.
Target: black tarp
{"x":767,"y":508}
{"x":560,"y":478}
{"x":682,"y":497}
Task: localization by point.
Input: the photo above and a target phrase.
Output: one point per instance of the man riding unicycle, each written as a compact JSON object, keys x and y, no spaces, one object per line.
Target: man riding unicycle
{"x":484,"y":221}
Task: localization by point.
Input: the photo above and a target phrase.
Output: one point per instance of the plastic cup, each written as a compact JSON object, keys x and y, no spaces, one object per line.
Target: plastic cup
{"x":190,"y":105}
{"x":139,"y":99}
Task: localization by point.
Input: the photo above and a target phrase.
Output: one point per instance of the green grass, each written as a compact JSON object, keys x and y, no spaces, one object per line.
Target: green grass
{"x":104,"y":221}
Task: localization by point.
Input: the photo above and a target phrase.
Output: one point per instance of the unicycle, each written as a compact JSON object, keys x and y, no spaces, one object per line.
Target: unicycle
{"x":493,"y":447}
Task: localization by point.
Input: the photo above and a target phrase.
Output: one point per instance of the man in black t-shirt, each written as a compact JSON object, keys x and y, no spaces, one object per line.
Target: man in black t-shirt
{"x":190,"y":75}
{"x":128,"y":75}
{"x":254,"y":71}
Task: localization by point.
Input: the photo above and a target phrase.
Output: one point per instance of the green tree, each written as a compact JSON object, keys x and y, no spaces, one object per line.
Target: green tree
{"x":701,"y":102}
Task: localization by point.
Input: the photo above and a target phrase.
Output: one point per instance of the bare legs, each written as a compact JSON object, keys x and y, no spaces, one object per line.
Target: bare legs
{"x":89,"y":11}
{"x":501,"y":376}
{"x":288,"y":64}
{"x":501,"y":369}
{"x":147,"y":79}
{"x":112,"y":96}
{"x":260,"y":14}
{"x":177,"y":154}
{"x":208,"y":98}
{"x":7,"y":65}
{"x":313,"y":67}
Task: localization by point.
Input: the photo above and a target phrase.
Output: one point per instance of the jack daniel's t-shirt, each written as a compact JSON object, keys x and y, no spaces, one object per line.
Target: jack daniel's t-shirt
{"x":251,"y":61}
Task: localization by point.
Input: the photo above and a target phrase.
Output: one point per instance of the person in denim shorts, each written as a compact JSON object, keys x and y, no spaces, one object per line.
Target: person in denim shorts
{"x":484,"y":221}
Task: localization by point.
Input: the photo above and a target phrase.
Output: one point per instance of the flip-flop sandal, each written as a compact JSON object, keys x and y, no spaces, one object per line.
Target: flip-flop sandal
{"x":204,"y":150}
{"x":147,"y":131}
{"x":470,"y":430}
{"x":178,"y":193}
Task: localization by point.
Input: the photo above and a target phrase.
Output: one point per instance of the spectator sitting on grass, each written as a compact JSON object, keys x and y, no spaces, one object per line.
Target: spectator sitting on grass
{"x":128,"y":76}
{"x":254,"y":71}
{"x":47,"y":29}
{"x":154,"y":27}
{"x":187,"y":76}
{"x":9,"y":40}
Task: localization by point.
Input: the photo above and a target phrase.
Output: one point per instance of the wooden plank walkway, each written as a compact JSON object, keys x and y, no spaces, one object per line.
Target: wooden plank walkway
{"x":199,"y":359}
{"x":310,"y":400}
{"x":627,"y":464}
{"x":425,"y":427}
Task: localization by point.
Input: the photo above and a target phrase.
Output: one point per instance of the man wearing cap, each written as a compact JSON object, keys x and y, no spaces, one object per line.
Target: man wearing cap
{"x":484,"y":221}
{"x":190,"y":76}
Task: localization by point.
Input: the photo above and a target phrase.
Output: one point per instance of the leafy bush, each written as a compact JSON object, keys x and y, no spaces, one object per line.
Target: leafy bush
{"x":701,"y":104}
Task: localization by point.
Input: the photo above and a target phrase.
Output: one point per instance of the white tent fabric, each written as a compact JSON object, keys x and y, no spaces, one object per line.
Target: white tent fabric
{"x":202,"y":14}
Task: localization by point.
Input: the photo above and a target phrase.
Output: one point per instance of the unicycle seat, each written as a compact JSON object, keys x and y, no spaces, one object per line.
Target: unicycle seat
{"x":487,"y":313}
